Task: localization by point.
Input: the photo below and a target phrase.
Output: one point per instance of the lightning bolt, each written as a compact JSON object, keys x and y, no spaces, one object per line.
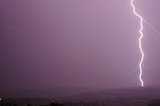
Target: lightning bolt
{"x":139,"y":41}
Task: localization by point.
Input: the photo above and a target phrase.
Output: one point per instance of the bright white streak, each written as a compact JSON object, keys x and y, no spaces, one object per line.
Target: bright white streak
{"x":140,"y":42}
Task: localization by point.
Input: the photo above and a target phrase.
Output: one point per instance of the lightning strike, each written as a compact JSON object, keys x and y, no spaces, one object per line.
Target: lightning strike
{"x":139,"y":42}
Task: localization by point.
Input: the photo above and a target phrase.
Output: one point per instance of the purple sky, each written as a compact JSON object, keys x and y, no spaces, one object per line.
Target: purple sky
{"x":82,"y":43}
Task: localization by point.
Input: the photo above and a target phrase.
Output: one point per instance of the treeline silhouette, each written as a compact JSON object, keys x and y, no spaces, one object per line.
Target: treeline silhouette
{"x":150,"y":103}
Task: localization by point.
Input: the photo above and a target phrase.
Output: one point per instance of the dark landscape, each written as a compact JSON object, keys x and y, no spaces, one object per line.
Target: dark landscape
{"x":135,"y":96}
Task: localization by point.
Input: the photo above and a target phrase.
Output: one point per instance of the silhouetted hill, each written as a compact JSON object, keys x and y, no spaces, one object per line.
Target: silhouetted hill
{"x":56,"y":92}
{"x":72,"y":96}
{"x":119,"y":95}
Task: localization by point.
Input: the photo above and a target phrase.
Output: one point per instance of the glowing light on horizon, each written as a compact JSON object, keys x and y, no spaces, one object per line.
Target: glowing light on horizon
{"x":140,"y":42}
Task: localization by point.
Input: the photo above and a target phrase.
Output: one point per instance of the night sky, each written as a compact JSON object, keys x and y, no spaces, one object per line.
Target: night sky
{"x":76,"y":43}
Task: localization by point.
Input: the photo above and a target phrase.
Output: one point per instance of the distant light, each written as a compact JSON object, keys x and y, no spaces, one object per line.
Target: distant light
{"x":0,"y":99}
